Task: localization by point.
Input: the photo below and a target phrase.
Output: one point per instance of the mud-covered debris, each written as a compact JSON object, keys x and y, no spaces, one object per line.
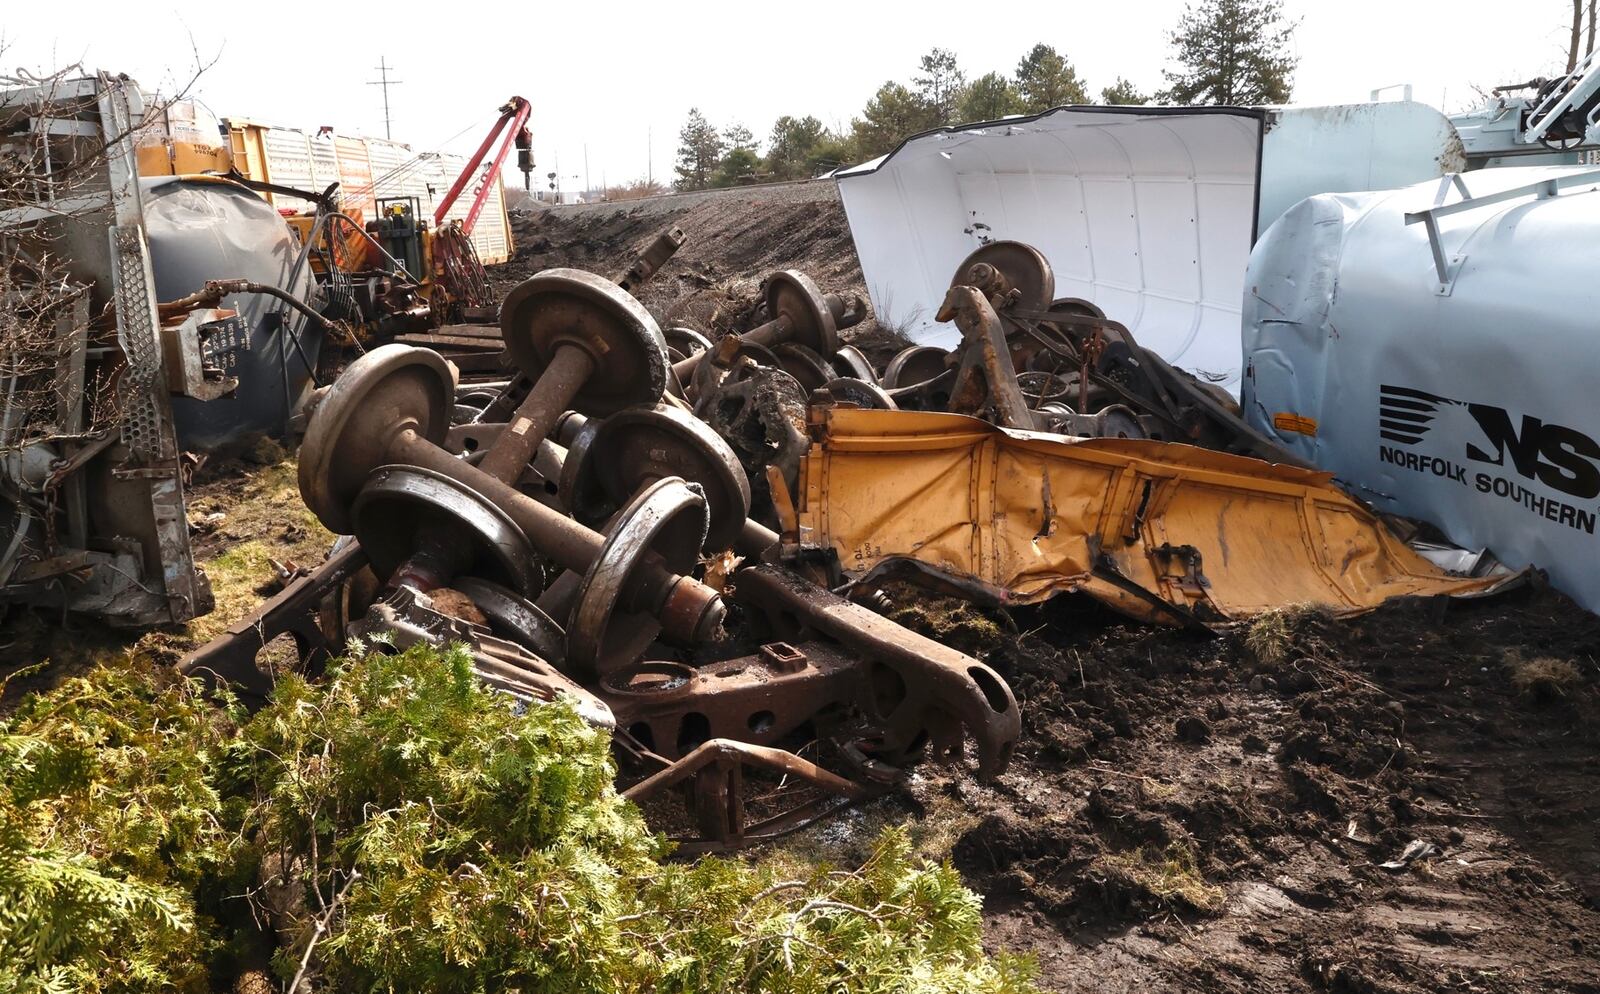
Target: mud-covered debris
{"x":1193,"y":729}
{"x":1415,"y":851}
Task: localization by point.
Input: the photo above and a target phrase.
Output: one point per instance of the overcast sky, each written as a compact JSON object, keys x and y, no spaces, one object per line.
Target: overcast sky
{"x":617,"y":78}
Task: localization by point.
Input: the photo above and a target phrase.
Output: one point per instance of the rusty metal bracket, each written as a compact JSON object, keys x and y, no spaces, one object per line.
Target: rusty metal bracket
{"x":672,"y":708}
{"x":987,"y":378}
{"x":718,"y":801}
{"x":923,"y":690}
{"x":1193,"y":582}
{"x":230,"y":658}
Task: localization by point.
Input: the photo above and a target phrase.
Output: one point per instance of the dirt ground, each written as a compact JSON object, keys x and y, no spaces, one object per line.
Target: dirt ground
{"x":1213,"y":814}
{"x":1190,"y":814}
{"x":246,"y":521}
{"x":1183,"y":814}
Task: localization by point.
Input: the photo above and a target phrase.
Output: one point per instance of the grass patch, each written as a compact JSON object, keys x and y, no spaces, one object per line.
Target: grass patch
{"x":1272,"y":635}
{"x":950,"y":620}
{"x":850,"y":836}
{"x":1544,"y":678}
{"x":1170,"y":877}
{"x":272,"y":524}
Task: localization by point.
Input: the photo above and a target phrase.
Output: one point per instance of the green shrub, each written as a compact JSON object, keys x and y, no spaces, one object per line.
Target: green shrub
{"x":399,"y":828}
{"x":109,"y":823}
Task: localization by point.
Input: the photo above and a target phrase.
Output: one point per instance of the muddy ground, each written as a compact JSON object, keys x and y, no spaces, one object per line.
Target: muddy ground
{"x":1190,"y":814}
{"x":1213,"y":814}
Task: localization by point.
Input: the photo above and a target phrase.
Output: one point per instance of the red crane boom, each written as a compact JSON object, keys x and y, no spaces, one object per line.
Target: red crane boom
{"x":514,"y":113}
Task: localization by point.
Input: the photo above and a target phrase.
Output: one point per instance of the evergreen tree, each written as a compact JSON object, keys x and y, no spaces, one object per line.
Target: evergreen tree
{"x":738,"y":136}
{"x":893,"y":114}
{"x":989,"y":98}
{"x":1122,"y":93}
{"x":699,"y":151}
{"x":737,"y":167}
{"x":834,"y":151}
{"x":1046,"y":79}
{"x":791,"y":144}
{"x":940,"y":84}
{"x":1233,"y":52}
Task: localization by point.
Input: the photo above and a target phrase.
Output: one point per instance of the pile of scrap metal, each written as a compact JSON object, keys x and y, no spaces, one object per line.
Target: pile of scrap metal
{"x":599,"y":499}
{"x":627,"y":481}
{"x":146,"y":315}
{"x":1074,"y":485}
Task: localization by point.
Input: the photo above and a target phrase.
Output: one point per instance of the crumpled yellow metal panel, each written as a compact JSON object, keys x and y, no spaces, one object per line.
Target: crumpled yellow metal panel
{"x":1161,"y":531}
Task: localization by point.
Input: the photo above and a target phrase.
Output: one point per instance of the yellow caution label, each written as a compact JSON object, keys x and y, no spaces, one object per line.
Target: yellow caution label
{"x":1297,"y":423}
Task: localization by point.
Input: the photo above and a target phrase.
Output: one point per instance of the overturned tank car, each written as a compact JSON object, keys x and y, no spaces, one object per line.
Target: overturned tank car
{"x":144,"y":318}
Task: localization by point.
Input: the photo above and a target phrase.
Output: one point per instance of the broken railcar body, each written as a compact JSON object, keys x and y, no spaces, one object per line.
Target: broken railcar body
{"x":146,"y":317}
{"x":92,"y":515}
{"x":1147,"y":212}
{"x":1171,"y":534}
{"x":1432,"y":346}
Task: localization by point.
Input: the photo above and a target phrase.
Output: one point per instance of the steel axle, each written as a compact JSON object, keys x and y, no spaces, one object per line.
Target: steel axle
{"x":390,"y":408}
{"x":801,"y":312}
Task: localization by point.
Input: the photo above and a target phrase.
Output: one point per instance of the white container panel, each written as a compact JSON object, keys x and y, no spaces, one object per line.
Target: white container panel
{"x":1148,"y":212}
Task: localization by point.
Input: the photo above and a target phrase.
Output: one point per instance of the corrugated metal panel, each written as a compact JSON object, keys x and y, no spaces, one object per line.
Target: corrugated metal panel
{"x":492,"y":234}
{"x":324,"y":162}
{"x":289,"y":163}
{"x":355,"y":173}
{"x":397,"y":171}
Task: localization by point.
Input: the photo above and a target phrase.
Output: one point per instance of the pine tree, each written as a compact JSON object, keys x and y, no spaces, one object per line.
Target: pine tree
{"x":893,"y":114}
{"x":834,"y":151}
{"x":940,"y":84}
{"x":1122,"y":93}
{"x":791,"y":144}
{"x":737,"y":167}
{"x":738,"y":136}
{"x":1046,"y":79}
{"x":1233,"y":52}
{"x":989,"y":98}
{"x":699,"y":150}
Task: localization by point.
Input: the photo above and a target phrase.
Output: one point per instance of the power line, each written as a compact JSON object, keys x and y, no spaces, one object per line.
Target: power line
{"x":384,"y":81}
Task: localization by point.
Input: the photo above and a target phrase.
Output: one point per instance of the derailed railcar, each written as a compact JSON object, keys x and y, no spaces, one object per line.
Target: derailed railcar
{"x":1435,"y":347}
{"x":203,"y":228}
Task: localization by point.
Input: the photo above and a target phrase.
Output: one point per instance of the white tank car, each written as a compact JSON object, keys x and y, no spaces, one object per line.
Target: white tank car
{"x":1436,"y":348}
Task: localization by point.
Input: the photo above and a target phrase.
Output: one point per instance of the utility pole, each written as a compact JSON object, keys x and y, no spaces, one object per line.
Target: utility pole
{"x":384,"y":81}
{"x":587,"y":189}
{"x":649,"y":157}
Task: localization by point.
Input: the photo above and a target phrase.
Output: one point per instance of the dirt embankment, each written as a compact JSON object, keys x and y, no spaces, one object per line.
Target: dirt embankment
{"x":734,"y":238}
{"x":1213,"y":814}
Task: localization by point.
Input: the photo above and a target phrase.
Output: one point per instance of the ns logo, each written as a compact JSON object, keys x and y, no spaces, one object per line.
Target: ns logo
{"x":1559,"y":457}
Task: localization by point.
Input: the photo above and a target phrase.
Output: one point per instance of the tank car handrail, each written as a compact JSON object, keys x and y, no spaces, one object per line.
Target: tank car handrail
{"x":1540,"y":190}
